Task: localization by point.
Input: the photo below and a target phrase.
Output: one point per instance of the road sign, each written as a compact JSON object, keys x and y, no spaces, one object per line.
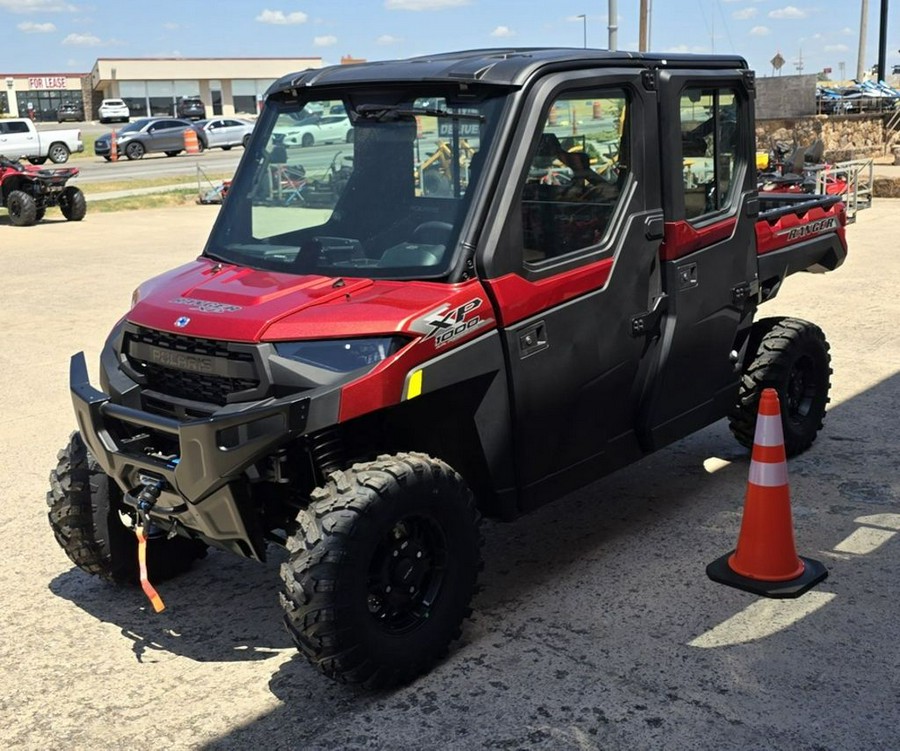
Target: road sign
{"x":777,"y":61}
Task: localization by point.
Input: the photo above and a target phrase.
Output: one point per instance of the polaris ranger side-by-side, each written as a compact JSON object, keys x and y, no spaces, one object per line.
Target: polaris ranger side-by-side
{"x":523,"y":270}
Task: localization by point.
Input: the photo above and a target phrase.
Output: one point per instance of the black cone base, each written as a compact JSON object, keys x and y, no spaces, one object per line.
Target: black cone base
{"x":813,"y":572}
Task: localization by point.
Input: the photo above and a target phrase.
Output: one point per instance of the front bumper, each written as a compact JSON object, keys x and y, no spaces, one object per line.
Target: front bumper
{"x":202,"y":481}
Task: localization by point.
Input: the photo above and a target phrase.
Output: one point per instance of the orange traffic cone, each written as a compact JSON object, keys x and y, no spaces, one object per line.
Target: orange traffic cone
{"x":766,"y":561}
{"x":191,"y":142}
{"x":113,"y":147}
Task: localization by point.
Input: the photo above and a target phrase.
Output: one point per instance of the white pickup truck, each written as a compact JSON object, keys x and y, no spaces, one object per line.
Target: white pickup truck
{"x":20,"y":138}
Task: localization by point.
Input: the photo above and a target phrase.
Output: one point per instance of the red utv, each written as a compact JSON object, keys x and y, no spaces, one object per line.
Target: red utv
{"x":28,"y":191}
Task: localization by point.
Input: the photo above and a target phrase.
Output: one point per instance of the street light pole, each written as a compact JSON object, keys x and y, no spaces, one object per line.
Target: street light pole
{"x":583,"y":18}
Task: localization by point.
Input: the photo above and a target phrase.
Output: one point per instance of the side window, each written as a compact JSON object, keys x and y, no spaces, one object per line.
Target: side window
{"x":709,"y":149}
{"x":17,"y":127}
{"x":574,"y":183}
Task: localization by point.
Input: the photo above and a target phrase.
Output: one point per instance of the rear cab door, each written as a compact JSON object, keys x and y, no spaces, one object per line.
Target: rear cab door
{"x":708,"y":256}
{"x":573,"y":264}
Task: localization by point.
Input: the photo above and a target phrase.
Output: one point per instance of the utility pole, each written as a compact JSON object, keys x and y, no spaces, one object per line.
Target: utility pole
{"x":613,"y":25}
{"x":642,"y":34}
{"x":583,"y":18}
{"x":863,"y":23}
{"x":882,"y":41}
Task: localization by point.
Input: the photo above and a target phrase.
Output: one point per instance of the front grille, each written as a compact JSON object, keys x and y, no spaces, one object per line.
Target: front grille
{"x":201,"y":370}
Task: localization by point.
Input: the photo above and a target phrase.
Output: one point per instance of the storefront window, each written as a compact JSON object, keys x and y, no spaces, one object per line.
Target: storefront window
{"x":134,"y":94}
{"x":162,"y":98}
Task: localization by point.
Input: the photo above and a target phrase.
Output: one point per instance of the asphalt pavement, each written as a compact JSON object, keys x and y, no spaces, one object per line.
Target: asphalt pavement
{"x":595,"y":626}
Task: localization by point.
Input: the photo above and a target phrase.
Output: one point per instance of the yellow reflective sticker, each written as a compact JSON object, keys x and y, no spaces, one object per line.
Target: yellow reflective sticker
{"x":415,"y":385}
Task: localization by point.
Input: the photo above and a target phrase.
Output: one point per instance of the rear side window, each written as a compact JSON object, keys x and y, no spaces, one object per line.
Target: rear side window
{"x":16,"y":127}
{"x":710,"y":139}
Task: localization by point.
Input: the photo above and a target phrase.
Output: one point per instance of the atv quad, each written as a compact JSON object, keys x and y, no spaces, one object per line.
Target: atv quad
{"x":28,"y":191}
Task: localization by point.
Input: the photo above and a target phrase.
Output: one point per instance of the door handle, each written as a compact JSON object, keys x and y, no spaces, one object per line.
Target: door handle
{"x":533,"y":340}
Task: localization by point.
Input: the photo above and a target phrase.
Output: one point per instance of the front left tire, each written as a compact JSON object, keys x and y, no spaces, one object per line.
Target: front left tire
{"x":382,"y":569}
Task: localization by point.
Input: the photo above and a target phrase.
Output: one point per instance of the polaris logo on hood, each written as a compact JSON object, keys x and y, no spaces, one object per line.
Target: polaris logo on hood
{"x":205,"y":306}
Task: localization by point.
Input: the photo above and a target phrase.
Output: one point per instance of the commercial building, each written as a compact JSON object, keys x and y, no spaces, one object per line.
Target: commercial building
{"x":150,"y":86}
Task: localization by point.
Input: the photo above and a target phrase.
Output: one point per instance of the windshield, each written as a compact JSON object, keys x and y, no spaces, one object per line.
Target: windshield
{"x":356,"y":187}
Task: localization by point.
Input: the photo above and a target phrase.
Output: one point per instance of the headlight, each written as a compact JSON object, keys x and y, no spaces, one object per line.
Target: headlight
{"x":341,"y":355}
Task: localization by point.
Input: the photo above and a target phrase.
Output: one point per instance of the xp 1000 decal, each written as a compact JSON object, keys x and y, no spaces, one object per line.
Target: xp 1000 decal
{"x":448,"y":323}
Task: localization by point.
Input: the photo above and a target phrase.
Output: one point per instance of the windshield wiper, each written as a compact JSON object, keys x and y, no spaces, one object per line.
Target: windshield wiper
{"x":387,"y":113}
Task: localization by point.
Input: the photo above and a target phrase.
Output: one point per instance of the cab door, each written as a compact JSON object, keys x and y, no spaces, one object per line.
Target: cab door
{"x":574,"y":274}
{"x":708,"y":257}
{"x":18,"y":139}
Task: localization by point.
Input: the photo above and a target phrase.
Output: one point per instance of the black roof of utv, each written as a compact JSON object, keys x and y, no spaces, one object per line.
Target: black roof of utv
{"x":503,"y":67}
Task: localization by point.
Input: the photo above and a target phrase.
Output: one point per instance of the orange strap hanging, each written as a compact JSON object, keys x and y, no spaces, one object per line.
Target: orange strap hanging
{"x":148,"y":588}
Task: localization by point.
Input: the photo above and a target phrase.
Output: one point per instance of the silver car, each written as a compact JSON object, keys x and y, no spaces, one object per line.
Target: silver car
{"x":225,"y":132}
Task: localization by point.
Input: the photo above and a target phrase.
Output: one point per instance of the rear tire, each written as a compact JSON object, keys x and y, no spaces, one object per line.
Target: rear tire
{"x":72,"y":204}
{"x":37,"y":159}
{"x":58,"y":153}
{"x":382,"y":569}
{"x":226,"y":148}
{"x":172,"y":153}
{"x":791,"y":356}
{"x":84,"y":516}
{"x":22,"y":208}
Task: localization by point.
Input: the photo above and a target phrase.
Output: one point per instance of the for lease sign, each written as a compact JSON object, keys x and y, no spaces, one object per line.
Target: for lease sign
{"x":47,"y":82}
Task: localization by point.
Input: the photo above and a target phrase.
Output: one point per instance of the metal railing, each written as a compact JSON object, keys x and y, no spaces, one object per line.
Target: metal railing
{"x":857,"y":175}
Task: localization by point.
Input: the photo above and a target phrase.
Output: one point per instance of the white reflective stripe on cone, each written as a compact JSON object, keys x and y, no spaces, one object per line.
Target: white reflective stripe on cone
{"x":768,"y":431}
{"x":768,"y":474}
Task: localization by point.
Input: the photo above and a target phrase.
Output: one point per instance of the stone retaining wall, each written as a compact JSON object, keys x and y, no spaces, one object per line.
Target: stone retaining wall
{"x":845,"y":137}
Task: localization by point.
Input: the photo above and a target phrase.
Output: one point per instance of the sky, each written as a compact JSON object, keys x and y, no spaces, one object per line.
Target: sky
{"x":67,"y":36}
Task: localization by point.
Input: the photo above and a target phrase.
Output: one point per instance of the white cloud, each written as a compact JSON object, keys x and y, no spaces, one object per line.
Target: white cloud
{"x":324,"y":41}
{"x":686,"y":48}
{"x":36,"y":6}
{"x":280,"y":18}
{"x":848,"y":32}
{"x":789,"y":11}
{"x":760,"y":31}
{"x":744,"y":15}
{"x":171,"y":26}
{"x":36,"y":28}
{"x":503,"y":32}
{"x":82,"y":40}
{"x":836,"y":48}
{"x":388,"y":39}
{"x":424,"y":4}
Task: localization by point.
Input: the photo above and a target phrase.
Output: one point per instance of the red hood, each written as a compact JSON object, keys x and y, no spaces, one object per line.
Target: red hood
{"x":209,"y":300}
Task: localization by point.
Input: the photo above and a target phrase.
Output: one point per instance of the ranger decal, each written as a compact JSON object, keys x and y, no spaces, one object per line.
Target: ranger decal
{"x":812,"y":228}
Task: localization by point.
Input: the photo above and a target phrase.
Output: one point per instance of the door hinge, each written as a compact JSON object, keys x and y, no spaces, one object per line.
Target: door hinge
{"x":648,"y":322}
{"x":648,"y":78}
{"x":741,"y":293}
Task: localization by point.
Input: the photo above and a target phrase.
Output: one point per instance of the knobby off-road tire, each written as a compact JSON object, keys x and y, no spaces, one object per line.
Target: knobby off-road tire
{"x":22,"y":208}
{"x":791,"y":356}
{"x":84,"y":516}
{"x":72,"y":204}
{"x":382,"y":569}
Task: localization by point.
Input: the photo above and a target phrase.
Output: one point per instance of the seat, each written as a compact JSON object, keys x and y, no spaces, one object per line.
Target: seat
{"x":288,"y":182}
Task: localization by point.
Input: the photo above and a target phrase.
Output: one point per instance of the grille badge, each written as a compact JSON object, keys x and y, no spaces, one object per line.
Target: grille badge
{"x":182,"y":321}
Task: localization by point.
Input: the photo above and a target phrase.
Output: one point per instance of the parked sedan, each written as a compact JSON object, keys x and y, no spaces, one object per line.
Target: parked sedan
{"x":147,"y":135}
{"x":225,"y":132}
{"x":320,"y":129}
{"x":72,"y":111}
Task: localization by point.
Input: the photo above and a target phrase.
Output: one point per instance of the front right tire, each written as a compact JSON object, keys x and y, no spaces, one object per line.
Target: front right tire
{"x":382,"y":569}
{"x":22,"y":208}
{"x":134,"y":150}
{"x":84,"y":516}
